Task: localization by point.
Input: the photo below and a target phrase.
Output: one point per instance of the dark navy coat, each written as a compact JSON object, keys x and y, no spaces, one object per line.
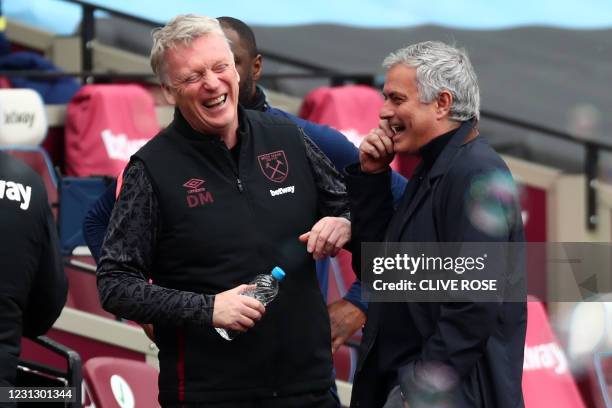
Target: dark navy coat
{"x":480,"y":344}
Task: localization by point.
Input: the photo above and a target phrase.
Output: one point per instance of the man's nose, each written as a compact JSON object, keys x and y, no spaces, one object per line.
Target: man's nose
{"x":210,"y":81}
{"x":386,"y":112}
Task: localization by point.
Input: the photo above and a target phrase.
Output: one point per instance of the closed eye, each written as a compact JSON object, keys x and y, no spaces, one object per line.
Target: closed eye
{"x":220,"y":68}
{"x":193,"y":78}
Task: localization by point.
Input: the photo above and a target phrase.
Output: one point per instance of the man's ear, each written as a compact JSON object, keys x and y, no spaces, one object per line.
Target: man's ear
{"x":168,"y":94}
{"x":444,"y":103}
{"x":257,"y":67}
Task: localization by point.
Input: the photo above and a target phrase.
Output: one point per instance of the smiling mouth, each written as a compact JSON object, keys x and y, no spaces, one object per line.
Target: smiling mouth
{"x":213,"y":103}
{"x":397,"y":129}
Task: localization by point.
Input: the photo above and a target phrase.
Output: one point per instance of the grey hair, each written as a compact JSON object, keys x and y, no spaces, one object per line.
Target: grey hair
{"x":442,"y":67}
{"x":181,"y":30}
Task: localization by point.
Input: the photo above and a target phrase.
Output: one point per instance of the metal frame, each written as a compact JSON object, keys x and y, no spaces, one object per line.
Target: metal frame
{"x":73,"y":375}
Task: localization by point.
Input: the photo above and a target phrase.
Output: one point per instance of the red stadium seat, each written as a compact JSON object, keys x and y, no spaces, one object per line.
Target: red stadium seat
{"x":105,"y":125}
{"x":345,"y":363}
{"x":5,"y":83}
{"x":547,"y":379}
{"x":351,"y":109}
{"x":120,"y":383}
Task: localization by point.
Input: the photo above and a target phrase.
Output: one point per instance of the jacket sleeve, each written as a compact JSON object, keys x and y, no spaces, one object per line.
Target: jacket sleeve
{"x":398,"y":185}
{"x":353,"y":295}
{"x":126,"y":260}
{"x":333,"y":144}
{"x":50,"y":287}
{"x":333,"y":200}
{"x":371,"y":205}
{"x":96,"y":221}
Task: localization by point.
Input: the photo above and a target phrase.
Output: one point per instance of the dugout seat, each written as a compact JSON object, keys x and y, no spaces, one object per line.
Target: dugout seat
{"x":547,"y":379}
{"x":105,"y":125}
{"x":120,"y":383}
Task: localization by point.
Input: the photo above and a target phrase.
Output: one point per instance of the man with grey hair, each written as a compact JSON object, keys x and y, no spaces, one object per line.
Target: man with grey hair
{"x":435,"y":354}
{"x":219,"y":196}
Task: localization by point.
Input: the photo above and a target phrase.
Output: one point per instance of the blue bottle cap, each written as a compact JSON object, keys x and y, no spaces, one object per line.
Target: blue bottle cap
{"x":278,"y":273}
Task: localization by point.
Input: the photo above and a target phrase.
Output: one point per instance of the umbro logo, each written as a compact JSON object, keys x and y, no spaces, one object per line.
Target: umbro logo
{"x":196,"y":194}
{"x":193,"y":183}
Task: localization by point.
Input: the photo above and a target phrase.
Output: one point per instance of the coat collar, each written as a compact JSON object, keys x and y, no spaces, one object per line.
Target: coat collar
{"x":466,"y":133}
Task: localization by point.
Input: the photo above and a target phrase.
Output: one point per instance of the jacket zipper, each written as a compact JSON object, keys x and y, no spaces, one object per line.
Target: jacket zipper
{"x":242,"y":189}
{"x":234,"y":168}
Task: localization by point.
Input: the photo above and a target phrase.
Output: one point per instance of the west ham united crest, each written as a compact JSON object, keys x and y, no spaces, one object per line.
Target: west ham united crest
{"x":274,"y":165}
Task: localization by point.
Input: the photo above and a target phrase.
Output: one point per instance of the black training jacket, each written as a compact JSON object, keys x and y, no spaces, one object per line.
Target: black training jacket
{"x":222,"y":223}
{"x":33,"y":285}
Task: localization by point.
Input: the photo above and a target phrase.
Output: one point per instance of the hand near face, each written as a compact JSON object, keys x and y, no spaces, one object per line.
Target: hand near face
{"x":327,"y":237}
{"x":234,"y":311}
{"x":376,"y":149}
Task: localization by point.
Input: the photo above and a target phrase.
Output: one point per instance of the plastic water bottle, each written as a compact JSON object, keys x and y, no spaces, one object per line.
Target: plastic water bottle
{"x":265,"y":291}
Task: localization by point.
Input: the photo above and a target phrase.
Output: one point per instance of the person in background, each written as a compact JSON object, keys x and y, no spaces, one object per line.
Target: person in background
{"x":33,"y":285}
